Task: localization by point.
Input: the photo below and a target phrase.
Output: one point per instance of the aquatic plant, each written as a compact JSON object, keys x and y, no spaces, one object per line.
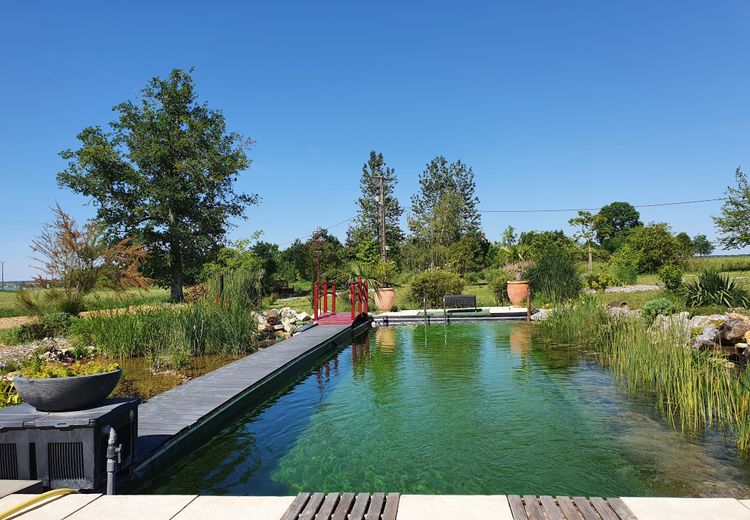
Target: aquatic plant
{"x":695,"y":389}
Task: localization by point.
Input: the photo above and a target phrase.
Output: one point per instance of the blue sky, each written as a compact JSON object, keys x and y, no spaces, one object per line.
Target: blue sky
{"x":554,"y":104}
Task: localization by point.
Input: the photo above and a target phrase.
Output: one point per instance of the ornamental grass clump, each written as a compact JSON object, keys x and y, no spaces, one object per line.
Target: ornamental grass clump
{"x":713,"y":288}
{"x":695,"y":389}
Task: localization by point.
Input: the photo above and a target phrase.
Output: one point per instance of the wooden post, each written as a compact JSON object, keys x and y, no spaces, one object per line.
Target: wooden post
{"x":333,"y":295}
{"x":351,"y":298}
{"x":315,"y":301}
{"x":325,"y":296}
{"x":367,"y":297}
{"x":528,"y":306}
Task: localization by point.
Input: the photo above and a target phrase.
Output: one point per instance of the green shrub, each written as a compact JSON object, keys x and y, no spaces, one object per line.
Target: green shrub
{"x":597,"y":281}
{"x":712,"y":288}
{"x":554,"y":275}
{"x":671,"y":276}
{"x":499,"y":286}
{"x":431,"y":286}
{"x":659,"y":306}
{"x":48,"y":326}
{"x":623,"y":266}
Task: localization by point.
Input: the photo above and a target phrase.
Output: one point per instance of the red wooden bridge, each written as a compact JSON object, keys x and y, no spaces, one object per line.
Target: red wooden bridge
{"x":325,"y":314}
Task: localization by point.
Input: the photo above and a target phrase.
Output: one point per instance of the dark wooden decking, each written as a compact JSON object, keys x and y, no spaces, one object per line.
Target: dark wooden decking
{"x":344,"y":506}
{"x":530,"y":507}
{"x":198,"y":403}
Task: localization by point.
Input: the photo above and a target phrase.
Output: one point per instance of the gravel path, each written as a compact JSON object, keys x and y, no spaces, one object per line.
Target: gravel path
{"x":632,"y":288}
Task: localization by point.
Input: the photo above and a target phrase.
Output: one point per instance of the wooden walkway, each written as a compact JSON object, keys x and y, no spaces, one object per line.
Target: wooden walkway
{"x":205,"y":402}
{"x":530,"y":507}
{"x":346,"y":506}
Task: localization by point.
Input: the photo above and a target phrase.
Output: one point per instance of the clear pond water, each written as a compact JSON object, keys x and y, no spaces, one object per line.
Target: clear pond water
{"x":469,"y":408}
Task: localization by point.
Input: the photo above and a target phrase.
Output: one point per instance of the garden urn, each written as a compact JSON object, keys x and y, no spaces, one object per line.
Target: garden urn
{"x":518,"y":292}
{"x":385,"y":298}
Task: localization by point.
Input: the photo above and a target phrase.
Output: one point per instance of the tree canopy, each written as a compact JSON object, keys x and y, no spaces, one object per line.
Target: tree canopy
{"x":733,"y":224}
{"x":438,"y":180}
{"x":164,"y":174}
{"x":613,"y":222}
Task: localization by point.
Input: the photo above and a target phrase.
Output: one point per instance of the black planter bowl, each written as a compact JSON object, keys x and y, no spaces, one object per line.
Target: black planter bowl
{"x":65,"y":394}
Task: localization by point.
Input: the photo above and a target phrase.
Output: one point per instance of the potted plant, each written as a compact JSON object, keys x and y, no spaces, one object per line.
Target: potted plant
{"x":385,"y":293}
{"x":518,"y":289}
{"x":53,"y":386}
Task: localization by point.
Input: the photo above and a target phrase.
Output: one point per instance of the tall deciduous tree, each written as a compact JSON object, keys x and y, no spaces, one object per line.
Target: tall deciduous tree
{"x":439,"y":179}
{"x":701,"y":245}
{"x":613,"y":222}
{"x":369,"y":216}
{"x":165,"y":174}
{"x":733,"y":224}
{"x":585,"y":224}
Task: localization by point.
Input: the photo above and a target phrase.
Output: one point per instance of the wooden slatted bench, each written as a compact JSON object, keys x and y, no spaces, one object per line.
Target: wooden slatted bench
{"x":459,"y":302}
{"x":530,"y":507}
{"x":344,"y":506}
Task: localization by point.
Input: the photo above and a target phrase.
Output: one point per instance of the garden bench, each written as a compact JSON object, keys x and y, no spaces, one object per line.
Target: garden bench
{"x":459,"y":302}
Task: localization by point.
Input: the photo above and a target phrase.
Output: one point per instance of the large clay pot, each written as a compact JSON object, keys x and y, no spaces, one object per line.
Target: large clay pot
{"x":385,"y":298}
{"x":518,"y":291}
{"x":66,"y":394}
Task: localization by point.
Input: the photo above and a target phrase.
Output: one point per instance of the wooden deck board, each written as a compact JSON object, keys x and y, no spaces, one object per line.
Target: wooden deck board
{"x":551,"y":508}
{"x":530,"y":507}
{"x":347,"y":506}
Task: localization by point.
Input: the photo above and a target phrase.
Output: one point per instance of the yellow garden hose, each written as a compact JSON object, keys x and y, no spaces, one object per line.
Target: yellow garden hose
{"x":33,"y":500}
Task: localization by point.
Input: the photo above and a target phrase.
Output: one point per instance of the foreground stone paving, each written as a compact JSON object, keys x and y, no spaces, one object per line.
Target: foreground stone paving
{"x":411,"y":507}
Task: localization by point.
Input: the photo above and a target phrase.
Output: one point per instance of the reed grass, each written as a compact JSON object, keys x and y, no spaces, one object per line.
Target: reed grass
{"x":171,"y":335}
{"x":695,"y":389}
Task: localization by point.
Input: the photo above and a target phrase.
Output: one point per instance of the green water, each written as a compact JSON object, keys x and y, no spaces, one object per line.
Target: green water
{"x":469,"y":408}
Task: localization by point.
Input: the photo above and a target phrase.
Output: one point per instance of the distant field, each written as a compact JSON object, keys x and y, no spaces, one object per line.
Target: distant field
{"x":103,"y":299}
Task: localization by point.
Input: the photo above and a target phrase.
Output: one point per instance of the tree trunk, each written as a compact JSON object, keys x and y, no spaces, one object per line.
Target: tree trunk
{"x":591,"y":261}
{"x":175,"y":257}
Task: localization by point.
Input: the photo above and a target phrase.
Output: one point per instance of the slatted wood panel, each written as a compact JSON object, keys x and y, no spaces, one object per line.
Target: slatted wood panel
{"x":530,"y":507}
{"x":346,"y":506}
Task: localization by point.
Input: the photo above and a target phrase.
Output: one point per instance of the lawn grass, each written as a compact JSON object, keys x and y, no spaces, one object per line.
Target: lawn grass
{"x":98,"y":300}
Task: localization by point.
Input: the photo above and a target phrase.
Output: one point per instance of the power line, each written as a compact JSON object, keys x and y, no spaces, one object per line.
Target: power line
{"x":561,"y":210}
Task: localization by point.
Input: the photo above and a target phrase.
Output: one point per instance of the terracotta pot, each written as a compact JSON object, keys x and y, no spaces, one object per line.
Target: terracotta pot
{"x":385,"y":298}
{"x":518,"y":291}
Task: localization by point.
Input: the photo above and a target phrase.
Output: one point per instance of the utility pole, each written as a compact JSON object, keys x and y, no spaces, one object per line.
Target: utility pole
{"x":382,"y":218}
{"x":2,"y":275}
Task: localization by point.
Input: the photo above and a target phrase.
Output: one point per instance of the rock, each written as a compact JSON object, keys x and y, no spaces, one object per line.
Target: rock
{"x":288,"y":313}
{"x":289,"y":324}
{"x":278,"y":327}
{"x":303,"y":316}
{"x":706,"y":339}
{"x":677,"y":321}
{"x":623,"y":312}
{"x":700,"y":322}
{"x":541,"y":314}
{"x":734,"y":329}
{"x":613,"y":305}
{"x":272,"y":316}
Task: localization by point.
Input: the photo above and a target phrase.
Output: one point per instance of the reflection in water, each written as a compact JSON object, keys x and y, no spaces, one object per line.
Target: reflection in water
{"x":385,"y":338}
{"x":446,"y":409}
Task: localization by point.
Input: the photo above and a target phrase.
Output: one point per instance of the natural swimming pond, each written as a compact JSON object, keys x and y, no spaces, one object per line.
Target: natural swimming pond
{"x":465,"y":408}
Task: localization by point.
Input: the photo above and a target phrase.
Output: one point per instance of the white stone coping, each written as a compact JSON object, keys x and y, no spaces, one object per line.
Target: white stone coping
{"x":411,"y":507}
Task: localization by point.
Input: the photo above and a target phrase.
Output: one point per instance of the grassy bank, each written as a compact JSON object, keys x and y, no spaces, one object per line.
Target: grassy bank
{"x":695,"y":390}
{"x":98,"y":300}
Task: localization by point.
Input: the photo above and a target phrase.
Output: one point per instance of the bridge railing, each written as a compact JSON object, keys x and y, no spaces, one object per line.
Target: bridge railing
{"x":323,"y":291}
{"x":358,"y":292}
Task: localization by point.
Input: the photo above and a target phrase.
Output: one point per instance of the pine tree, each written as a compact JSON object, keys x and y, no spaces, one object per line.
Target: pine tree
{"x":368,"y":216}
